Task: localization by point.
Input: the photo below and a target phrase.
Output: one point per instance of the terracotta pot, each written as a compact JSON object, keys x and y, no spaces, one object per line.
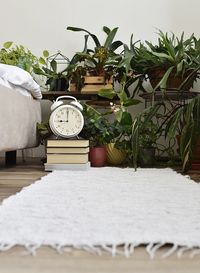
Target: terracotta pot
{"x":173,"y":82}
{"x":114,"y":155}
{"x":97,"y":156}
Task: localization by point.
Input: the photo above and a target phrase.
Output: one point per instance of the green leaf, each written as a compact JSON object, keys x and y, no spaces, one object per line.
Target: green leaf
{"x":122,"y":96}
{"x":107,"y":93}
{"x":163,"y":55}
{"x":8,"y":44}
{"x":42,"y":61}
{"x":180,"y":66}
{"x":110,"y":38}
{"x":39,"y":71}
{"x":106,"y":30}
{"x":168,"y":44}
{"x":135,"y":140}
{"x":53,"y":64}
{"x":189,"y":77}
{"x":173,"y":123}
{"x":126,"y":119}
{"x":130,"y":102}
{"x":95,"y":39}
{"x":115,"y":45}
{"x":163,"y":82}
{"x":46,"y":53}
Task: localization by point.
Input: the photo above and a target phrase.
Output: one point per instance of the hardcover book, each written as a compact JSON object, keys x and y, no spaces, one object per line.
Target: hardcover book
{"x":67,"y":150}
{"x":64,"y":167}
{"x":67,"y":158}
{"x":67,"y":143}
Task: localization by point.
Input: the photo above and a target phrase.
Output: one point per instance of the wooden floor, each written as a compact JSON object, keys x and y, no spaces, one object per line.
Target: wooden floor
{"x":48,"y":260}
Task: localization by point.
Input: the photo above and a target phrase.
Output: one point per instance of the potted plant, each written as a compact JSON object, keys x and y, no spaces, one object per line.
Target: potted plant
{"x":55,"y":80}
{"x":118,"y":149}
{"x":98,"y":61}
{"x":172,"y":63}
{"x":97,"y":130}
{"x":147,"y":142}
{"x":184,"y":122}
{"x":18,"y":55}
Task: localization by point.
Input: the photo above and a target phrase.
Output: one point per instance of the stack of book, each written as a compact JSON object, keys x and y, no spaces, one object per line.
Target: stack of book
{"x":67,"y":154}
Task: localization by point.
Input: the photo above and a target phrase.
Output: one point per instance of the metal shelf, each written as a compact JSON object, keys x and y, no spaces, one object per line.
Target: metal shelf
{"x":175,"y":95}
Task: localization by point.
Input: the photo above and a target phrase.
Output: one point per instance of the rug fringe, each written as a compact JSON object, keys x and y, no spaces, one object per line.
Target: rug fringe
{"x":127,"y":250}
{"x":4,"y":247}
{"x":194,"y":253}
{"x":170,"y":251}
{"x":181,"y":251}
{"x":152,"y":248}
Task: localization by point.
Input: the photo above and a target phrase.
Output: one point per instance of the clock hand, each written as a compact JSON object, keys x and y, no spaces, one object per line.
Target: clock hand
{"x":67,"y":115}
{"x":60,"y":120}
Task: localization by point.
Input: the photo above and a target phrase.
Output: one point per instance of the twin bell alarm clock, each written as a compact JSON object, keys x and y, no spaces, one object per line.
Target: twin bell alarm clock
{"x":66,"y":120}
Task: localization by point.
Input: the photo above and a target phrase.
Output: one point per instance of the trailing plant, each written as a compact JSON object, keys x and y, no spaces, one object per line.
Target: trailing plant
{"x":18,"y":55}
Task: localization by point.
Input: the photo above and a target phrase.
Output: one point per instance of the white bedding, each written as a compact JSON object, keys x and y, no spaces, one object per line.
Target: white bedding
{"x":19,"y":115}
{"x":20,"y":80}
{"x":11,"y":86}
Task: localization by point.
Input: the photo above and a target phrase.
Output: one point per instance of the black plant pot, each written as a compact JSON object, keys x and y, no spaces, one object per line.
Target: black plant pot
{"x":60,"y":85}
{"x":147,"y":157}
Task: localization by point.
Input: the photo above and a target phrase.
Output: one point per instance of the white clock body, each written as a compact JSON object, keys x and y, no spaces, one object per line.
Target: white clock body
{"x":66,"y":121}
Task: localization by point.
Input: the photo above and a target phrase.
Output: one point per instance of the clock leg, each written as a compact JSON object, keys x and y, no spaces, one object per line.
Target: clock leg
{"x":11,"y":158}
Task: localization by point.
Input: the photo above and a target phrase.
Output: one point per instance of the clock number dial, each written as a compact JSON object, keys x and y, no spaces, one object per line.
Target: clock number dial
{"x":66,"y":121}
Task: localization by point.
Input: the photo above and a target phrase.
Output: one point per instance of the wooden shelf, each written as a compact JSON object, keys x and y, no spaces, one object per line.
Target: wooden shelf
{"x":92,"y":99}
{"x":52,"y":95}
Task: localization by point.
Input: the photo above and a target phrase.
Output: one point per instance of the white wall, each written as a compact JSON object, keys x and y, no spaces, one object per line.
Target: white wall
{"x":41,"y":24}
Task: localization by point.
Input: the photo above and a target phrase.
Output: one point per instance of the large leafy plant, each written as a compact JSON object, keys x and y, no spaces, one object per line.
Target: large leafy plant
{"x":177,"y":57}
{"x":98,"y":60}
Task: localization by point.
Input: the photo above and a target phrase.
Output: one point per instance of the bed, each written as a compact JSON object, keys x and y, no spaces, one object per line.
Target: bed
{"x":20,"y":111}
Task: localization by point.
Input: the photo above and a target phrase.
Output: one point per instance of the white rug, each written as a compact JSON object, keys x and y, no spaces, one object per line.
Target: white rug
{"x":103,"y":208}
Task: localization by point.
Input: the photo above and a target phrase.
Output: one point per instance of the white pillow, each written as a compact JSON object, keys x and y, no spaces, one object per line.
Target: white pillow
{"x":20,"y":77}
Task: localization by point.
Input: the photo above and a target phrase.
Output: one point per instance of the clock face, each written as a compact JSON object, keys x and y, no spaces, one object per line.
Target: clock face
{"x":66,"y":121}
